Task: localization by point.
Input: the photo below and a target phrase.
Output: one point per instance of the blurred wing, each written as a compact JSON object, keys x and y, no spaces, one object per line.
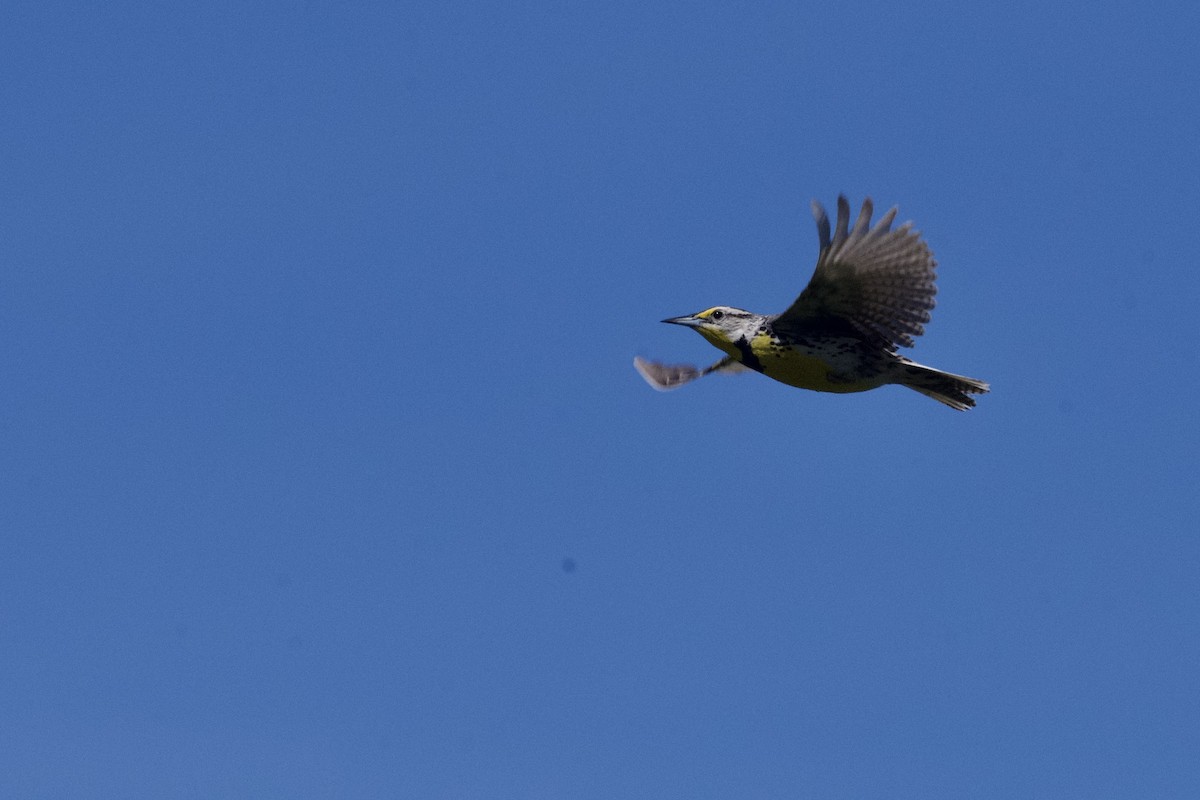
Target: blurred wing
{"x":665,"y":377}
{"x":880,"y":281}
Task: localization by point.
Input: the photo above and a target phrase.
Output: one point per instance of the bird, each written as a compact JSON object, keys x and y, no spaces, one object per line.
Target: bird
{"x":872,"y":291}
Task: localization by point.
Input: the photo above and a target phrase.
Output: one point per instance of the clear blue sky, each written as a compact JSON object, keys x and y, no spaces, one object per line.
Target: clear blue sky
{"x":324,"y":471}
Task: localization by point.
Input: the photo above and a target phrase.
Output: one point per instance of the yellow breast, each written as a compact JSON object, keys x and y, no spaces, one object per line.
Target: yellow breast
{"x":802,"y":367}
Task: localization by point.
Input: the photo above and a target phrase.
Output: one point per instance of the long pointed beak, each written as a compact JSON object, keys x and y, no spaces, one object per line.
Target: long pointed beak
{"x":687,"y":322}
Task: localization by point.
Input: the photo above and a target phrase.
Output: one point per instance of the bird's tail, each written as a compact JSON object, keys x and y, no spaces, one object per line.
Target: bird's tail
{"x":953,"y":390}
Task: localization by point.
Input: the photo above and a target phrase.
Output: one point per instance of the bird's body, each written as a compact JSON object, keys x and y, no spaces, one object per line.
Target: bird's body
{"x":822,"y":362}
{"x":872,"y":290}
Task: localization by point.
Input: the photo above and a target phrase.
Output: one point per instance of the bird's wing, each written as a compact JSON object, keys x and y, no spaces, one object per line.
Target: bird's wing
{"x":880,"y":281}
{"x":665,"y":377}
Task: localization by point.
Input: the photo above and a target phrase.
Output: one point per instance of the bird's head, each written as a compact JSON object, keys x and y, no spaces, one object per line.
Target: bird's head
{"x":721,"y":325}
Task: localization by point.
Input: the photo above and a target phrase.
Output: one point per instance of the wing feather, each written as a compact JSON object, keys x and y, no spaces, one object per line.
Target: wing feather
{"x":665,"y":377}
{"x":878,"y":280}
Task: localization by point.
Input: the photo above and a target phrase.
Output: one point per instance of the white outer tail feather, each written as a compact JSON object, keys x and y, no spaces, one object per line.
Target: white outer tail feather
{"x":945,"y":387}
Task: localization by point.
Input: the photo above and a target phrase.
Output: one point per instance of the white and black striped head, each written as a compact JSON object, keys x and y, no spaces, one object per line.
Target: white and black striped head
{"x":723,"y":326}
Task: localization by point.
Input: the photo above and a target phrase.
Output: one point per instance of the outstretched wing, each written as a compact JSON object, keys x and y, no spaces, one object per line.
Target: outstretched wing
{"x":665,"y":377}
{"x":880,"y":281}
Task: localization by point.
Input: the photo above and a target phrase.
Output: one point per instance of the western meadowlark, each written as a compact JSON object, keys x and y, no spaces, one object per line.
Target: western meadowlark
{"x":872,"y":291}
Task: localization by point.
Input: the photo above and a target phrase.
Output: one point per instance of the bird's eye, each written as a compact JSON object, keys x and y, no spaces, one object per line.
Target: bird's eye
{"x":717,"y":315}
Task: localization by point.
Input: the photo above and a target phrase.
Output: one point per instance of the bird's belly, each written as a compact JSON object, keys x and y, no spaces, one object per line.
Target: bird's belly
{"x":826,"y":369}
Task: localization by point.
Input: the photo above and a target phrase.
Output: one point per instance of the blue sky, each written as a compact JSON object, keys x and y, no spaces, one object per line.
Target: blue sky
{"x":325,"y":471}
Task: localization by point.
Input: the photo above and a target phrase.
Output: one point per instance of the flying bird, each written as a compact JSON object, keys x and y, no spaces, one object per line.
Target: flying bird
{"x":872,"y":291}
